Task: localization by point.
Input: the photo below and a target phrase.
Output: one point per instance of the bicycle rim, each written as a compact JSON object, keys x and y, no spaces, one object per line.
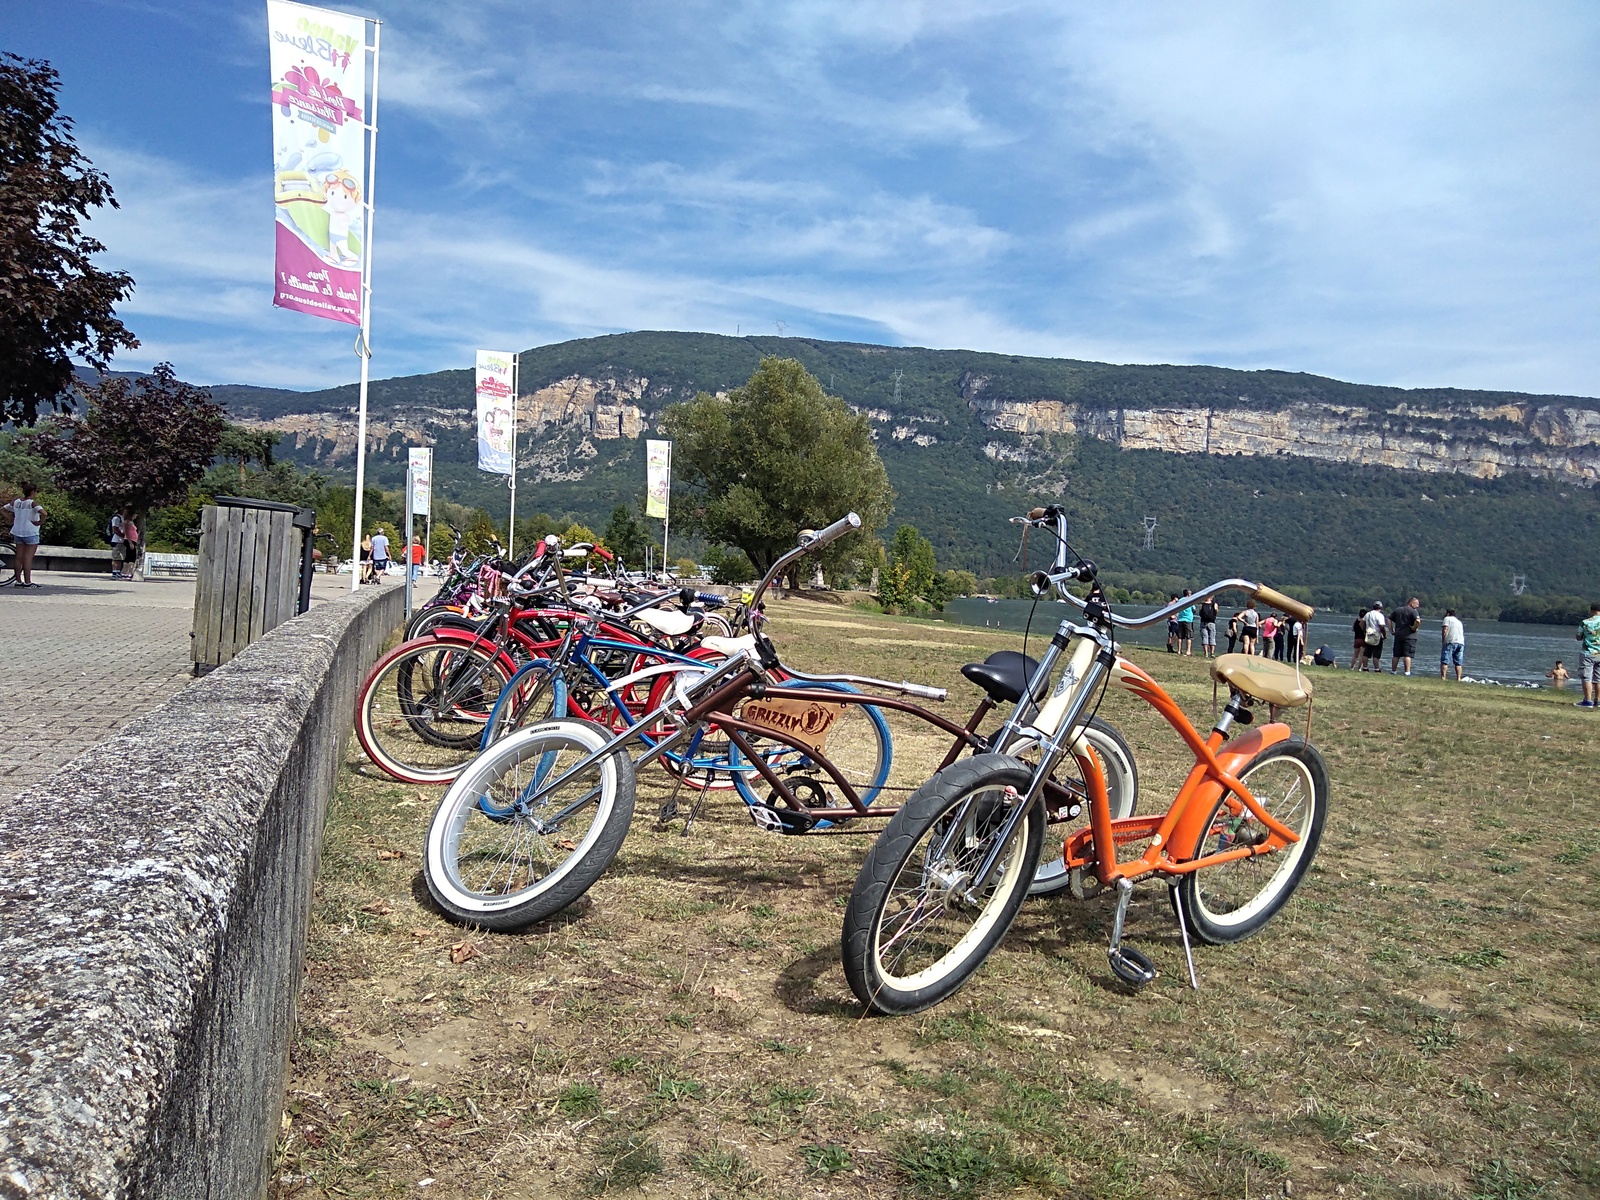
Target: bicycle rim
{"x":424,"y":713}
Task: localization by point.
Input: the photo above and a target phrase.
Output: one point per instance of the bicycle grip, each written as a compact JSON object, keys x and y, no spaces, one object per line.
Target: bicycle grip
{"x":923,"y":691}
{"x":844,"y":525}
{"x":1277,"y":600}
{"x":1036,"y":514}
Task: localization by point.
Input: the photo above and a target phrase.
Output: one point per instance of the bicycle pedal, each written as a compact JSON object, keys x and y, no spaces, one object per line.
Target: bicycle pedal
{"x":1131,"y":965}
{"x":667,"y":811}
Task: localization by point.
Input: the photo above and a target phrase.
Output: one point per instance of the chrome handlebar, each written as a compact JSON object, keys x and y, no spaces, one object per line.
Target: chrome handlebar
{"x":815,"y":541}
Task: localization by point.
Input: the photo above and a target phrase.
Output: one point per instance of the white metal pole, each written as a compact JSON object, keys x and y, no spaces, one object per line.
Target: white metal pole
{"x":410,"y":484}
{"x":511,"y":524}
{"x":364,"y":346}
{"x":666,"y":521}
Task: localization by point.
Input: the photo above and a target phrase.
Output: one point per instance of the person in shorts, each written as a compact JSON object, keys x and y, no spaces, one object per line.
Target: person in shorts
{"x":1208,"y":628}
{"x":1589,"y":659}
{"x":1249,"y":625}
{"x":1186,"y":627}
{"x":380,"y":555}
{"x":1453,"y":651}
{"x":1406,"y":622}
{"x":27,"y":518}
{"x":1375,"y":630}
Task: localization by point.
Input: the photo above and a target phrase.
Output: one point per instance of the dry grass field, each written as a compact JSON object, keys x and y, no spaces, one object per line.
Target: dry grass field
{"x":1419,"y":1022}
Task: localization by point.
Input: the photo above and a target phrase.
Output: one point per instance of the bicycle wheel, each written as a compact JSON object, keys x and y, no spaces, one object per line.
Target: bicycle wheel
{"x":912,"y":936}
{"x":501,"y":857}
{"x":1228,"y":903}
{"x":8,"y":564}
{"x":535,"y":694}
{"x":1122,"y":789}
{"x":421,"y":711}
{"x":856,"y":741}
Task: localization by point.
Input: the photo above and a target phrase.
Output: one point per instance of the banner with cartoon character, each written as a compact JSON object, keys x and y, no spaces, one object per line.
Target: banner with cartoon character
{"x":495,"y":398}
{"x":657,"y":478}
{"x":319,"y":83}
{"x":420,"y":461}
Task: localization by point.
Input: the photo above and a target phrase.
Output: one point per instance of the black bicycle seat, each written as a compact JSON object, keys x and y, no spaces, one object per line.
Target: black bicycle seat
{"x":1004,"y":675}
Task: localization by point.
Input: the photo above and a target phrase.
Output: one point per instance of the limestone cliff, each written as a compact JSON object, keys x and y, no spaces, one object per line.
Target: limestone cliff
{"x":1486,"y":442}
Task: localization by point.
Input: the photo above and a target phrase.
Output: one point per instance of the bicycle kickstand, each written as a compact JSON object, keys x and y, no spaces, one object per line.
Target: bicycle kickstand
{"x":1127,"y":963}
{"x":1183,"y":928}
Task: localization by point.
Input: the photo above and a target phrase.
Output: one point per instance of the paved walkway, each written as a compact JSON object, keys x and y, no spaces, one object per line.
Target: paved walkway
{"x":84,"y":654}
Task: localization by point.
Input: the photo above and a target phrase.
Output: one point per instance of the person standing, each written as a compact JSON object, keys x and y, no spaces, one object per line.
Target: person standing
{"x":1358,"y":653}
{"x":380,"y":555}
{"x":1407,"y":622}
{"x":1208,"y":628}
{"x":1557,"y":675}
{"x":119,"y":544}
{"x":1249,"y":626}
{"x":1186,"y":626}
{"x":130,"y":543}
{"x":1233,"y":631}
{"x":1375,"y":630}
{"x":1589,"y":659}
{"x":417,"y":557}
{"x":1453,"y":653}
{"x":1269,"y":630}
{"x":27,"y":518}
{"x":1280,"y":639}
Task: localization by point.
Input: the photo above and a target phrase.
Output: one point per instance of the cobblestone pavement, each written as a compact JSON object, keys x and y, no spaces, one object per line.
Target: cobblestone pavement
{"x":84,"y":654}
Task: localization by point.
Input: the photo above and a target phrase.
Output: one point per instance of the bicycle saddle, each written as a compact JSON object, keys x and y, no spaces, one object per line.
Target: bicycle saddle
{"x":1005,"y":674}
{"x":1276,"y":683}
{"x":663,"y":620}
{"x":729,"y":646}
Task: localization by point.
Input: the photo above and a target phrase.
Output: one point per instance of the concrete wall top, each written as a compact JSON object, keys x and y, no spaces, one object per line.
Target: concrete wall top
{"x":123,"y":880}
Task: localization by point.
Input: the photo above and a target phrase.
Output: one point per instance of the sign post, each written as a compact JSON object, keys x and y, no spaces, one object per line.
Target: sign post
{"x":419,"y":502}
{"x":325,"y":145}
{"x":411,"y":477}
{"x":658,"y":489}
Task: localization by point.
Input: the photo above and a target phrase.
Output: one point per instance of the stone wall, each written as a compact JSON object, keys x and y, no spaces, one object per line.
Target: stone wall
{"x":154,"y":897}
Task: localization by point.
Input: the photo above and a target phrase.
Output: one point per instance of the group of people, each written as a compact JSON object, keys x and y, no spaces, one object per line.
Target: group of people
{"x":1588,"y":661}
{"x":375,"y":557}
{"x":1373,"y":629}
{"x":1249,"y":632}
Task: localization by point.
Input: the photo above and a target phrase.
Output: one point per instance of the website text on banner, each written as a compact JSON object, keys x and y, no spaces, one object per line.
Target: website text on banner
{"x":319,"y":83}
{"x":421,"y":464}
{"x":495,"y":416}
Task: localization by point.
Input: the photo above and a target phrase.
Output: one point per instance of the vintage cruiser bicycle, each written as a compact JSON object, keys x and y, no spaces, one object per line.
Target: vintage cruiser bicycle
{"x":943,"y":882}
{"x":531,"y":823}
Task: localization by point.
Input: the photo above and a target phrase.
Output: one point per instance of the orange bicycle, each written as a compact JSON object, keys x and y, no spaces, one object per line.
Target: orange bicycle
{"x":943,"y":882}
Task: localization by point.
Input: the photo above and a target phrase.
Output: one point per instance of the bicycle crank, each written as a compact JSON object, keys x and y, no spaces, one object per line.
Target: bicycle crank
{"x":1127,"y":964}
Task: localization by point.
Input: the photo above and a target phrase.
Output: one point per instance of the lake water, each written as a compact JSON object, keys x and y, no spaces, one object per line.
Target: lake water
{"x":1497,"y":650}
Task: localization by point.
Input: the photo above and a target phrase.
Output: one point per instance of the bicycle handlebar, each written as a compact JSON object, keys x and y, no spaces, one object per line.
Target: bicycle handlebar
{"x":817,"y":540}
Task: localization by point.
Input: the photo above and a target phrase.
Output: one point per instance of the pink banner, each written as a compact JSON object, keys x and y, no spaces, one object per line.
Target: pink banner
{"x":319,"y":180}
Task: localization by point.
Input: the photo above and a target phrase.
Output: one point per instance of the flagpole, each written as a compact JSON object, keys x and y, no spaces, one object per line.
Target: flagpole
{"x":511,"y":524}
{"x":666,"y":520}
{"x":363,"y":340}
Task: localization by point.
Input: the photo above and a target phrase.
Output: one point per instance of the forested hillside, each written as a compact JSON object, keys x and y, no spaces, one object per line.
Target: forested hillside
{"x":1339,"y":530}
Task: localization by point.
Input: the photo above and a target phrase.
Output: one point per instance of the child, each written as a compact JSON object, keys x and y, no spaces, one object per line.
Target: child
{"x":1557,"y":675}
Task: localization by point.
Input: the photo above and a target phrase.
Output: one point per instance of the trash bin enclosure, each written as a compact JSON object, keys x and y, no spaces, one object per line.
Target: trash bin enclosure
{"x":248,"y":578}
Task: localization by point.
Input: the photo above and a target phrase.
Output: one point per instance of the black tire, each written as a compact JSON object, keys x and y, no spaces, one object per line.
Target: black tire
{"x":1228,"y":903}
{"x":488,"y":861}
{"x":916,"y":865}
{"x":1122,"y":789}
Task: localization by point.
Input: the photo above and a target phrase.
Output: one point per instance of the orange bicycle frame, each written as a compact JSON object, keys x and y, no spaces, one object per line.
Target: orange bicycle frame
{"x":1176,"y":834}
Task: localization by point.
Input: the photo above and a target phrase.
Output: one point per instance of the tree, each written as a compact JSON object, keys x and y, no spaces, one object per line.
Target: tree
{"x":244,"y":446}
{"x":141,"y":444}
{"x":914,"y":552}
{"x":54,"y":302}
{"x":777,"y":456}
{"x":626,"y":536}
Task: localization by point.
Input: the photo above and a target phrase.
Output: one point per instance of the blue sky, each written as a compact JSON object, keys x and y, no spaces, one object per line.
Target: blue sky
{"x":1404,"y":193}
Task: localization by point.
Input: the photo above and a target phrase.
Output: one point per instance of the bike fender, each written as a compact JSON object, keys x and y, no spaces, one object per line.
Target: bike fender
{"x":1232,"y":757}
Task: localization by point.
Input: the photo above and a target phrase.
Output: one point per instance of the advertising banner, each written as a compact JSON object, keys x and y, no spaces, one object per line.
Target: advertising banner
{"x":319,"y":83}
{"x":658,"y":478}
{"x":494,"y":388}
{"x":421,"y":462}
